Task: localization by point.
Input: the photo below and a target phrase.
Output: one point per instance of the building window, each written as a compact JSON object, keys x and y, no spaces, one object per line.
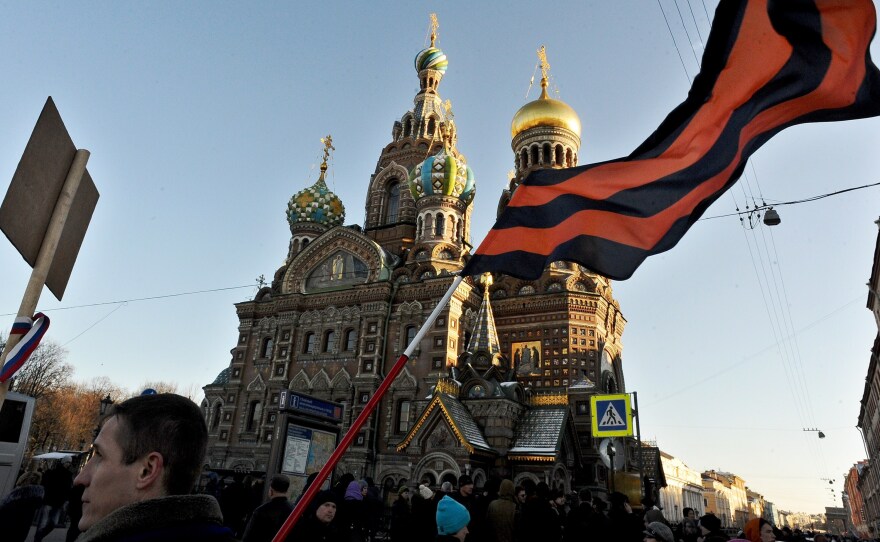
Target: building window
{"x":409,"y":334}
{"x":393,"y":203}
{"x":236,"y":372}
{"x":361,"y":439}
{"x":350,"y":340}
{"x":403,"y":408}
{"x":441,"y":321}
{"x":309,"y":343}
{"x":368,"y":366}
{"x":439,"y":225}
{"x":371,"y":327}
{"x":437,"y":363}
{"x":242,"y":339}
{"x":230,"y":398}
{"x":371,"y":347}
{"x":239,"y":355}
{"x":224,"y":435}
{"x":254,"y":411}
{"x":215,"y":417}
{"x":279,"y":371}
{"x":329,"y":340}
{"x":267,"y":437}
{"x":266,"y":349}
{"x":285,"y":336}
{"x":364,"y":396}
{"x":227,"y":416}
{"x":272,"y":417}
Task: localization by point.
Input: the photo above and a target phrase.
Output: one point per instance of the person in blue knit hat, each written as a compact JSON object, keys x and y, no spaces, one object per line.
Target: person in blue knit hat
{"x":452,"y":521}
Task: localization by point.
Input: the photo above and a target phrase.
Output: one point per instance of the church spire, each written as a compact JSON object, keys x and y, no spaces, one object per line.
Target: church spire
{"x":485,"y":337}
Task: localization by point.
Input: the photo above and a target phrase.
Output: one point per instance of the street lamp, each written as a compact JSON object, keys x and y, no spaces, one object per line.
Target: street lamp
{"x":611,"y":451}
{"x":105,"y":404}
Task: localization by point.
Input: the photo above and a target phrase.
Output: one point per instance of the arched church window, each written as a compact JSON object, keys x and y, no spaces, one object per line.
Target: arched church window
{"x":554,"y":287}
{"x":305,"y":244}
{"x":410,"y":334}
{"x":350,"y":340}
{"x":309,"y":343}
{"x":524,"y":159}
{"x":440,"y":225}
{"x":266,"y":349}
{"x":329,"y":339}
{"x":432,"y":125}
{"x":403,"y":408}
{"x":446,"y":254}
{"x":215,"y":416}
{"x":534,"y":157}
{"x":254,"y":412}
{"x":419,"y":227}
{"x":392,"y":202}
{"x":560,"y":161}
{"x":568,"y":159}
{"x":548,"y":156}
{"x":527,"y":289}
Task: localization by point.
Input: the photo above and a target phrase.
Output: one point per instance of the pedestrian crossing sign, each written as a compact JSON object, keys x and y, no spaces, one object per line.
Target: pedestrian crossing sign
{"x":612,"y":415}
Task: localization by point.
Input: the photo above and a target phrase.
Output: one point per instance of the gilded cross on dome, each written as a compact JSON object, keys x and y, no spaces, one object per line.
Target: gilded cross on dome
{"x":328,"y":146}
{"x":486,"y":279}
{"x":434,"y":26}
{"x":545,"y":66}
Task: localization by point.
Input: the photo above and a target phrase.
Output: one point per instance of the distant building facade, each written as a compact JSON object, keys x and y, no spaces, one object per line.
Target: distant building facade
{"x":869,"y":414}
{"x":684,"y":488}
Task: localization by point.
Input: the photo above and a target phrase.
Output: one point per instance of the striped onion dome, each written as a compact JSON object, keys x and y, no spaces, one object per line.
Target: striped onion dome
{"x":442,"y":174}
{"x":431,"y":58}
{"x":316,"y":204}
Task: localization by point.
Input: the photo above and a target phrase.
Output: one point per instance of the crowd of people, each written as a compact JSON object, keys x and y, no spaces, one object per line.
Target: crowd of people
{"x":148,"y":455}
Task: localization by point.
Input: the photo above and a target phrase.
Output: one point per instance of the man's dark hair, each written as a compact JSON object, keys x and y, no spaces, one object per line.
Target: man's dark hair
{"x":280,"y":483}
{"x":684,"y":512}
{"x":169,"y":424}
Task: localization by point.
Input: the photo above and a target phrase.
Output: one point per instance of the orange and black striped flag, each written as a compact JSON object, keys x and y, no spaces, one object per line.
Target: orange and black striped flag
{"x":768,"y":65}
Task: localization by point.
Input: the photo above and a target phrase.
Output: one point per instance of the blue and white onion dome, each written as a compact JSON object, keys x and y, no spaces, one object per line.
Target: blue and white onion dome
{"x":442,"y":174}
{"x":431,"y":58}
{"x":316,"y":204}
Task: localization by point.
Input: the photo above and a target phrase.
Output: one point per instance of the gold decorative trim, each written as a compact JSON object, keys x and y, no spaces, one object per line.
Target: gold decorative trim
{"x":539,"y":458}
{"x":549,"y":399}
{"x":447,"y":385}
{"x":458,"y":434}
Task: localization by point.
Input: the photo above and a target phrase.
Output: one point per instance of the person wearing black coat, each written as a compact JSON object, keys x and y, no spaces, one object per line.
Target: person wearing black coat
{"x":318,"y":523}
{"x":18,"y":508}
{"x":269,"y":517}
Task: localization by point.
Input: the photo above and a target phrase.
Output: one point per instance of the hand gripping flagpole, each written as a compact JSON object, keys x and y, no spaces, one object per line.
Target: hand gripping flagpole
{"x":355,"y":428}
{"x":41,"y":268}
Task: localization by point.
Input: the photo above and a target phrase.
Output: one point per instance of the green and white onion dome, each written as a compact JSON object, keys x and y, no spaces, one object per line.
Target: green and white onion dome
{"x":442,"y":174}
{"x":431,"y":58}
{"x":316,"y":204}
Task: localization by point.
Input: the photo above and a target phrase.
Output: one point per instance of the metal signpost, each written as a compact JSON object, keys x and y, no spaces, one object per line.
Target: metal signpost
{"x":46,"y":212}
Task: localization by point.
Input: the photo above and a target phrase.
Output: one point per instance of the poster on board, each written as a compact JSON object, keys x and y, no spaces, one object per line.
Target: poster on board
{"x":306,"y":450}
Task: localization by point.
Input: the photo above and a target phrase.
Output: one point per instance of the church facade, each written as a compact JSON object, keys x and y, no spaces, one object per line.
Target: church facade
{"x":499,"y":385}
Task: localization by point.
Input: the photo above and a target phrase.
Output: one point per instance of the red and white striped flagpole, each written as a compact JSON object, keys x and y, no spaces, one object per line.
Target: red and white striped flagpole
{"x":362,"y":418}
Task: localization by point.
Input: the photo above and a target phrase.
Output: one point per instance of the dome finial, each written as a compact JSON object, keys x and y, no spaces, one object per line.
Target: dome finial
{"x":545,"y":71}
{"x":328,"y":146}
{"x":434,"y":26}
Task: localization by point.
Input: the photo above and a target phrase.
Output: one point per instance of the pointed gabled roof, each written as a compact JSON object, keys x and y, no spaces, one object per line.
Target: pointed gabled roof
{"x":539,"y":433}
{"x":459,"y":419}
{"x":485,"y":337}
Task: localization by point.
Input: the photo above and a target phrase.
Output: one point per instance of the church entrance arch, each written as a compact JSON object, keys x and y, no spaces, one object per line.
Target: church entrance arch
{"x":439,"y":466}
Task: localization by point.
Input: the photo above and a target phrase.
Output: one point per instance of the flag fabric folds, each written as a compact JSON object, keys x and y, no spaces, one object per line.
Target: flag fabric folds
{"x":768,"y":65}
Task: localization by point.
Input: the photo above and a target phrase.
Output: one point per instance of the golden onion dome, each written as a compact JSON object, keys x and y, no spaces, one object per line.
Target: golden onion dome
{"x":545,"y":111}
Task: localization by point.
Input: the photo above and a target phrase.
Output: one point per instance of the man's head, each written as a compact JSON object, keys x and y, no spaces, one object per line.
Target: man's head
{"x":689,"y":513}
{"x":278,"y":486}
{"x":465,"y":485}
{"x":149,"y":446}
{"x":520,"y":493}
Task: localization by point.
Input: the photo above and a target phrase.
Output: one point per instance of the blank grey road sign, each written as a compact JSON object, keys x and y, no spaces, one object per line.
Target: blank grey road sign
{"x":30,"y":200}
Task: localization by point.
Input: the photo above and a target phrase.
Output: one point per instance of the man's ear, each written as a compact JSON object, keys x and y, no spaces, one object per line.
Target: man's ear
{"x":152,"y":470}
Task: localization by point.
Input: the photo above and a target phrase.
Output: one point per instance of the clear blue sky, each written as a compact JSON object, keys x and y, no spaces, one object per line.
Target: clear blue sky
{"x":203,"y":118}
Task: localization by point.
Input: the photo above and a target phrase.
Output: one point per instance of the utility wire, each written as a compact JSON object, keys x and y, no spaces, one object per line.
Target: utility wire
{"x":137,"y":299}
{"x":792,"y":202}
